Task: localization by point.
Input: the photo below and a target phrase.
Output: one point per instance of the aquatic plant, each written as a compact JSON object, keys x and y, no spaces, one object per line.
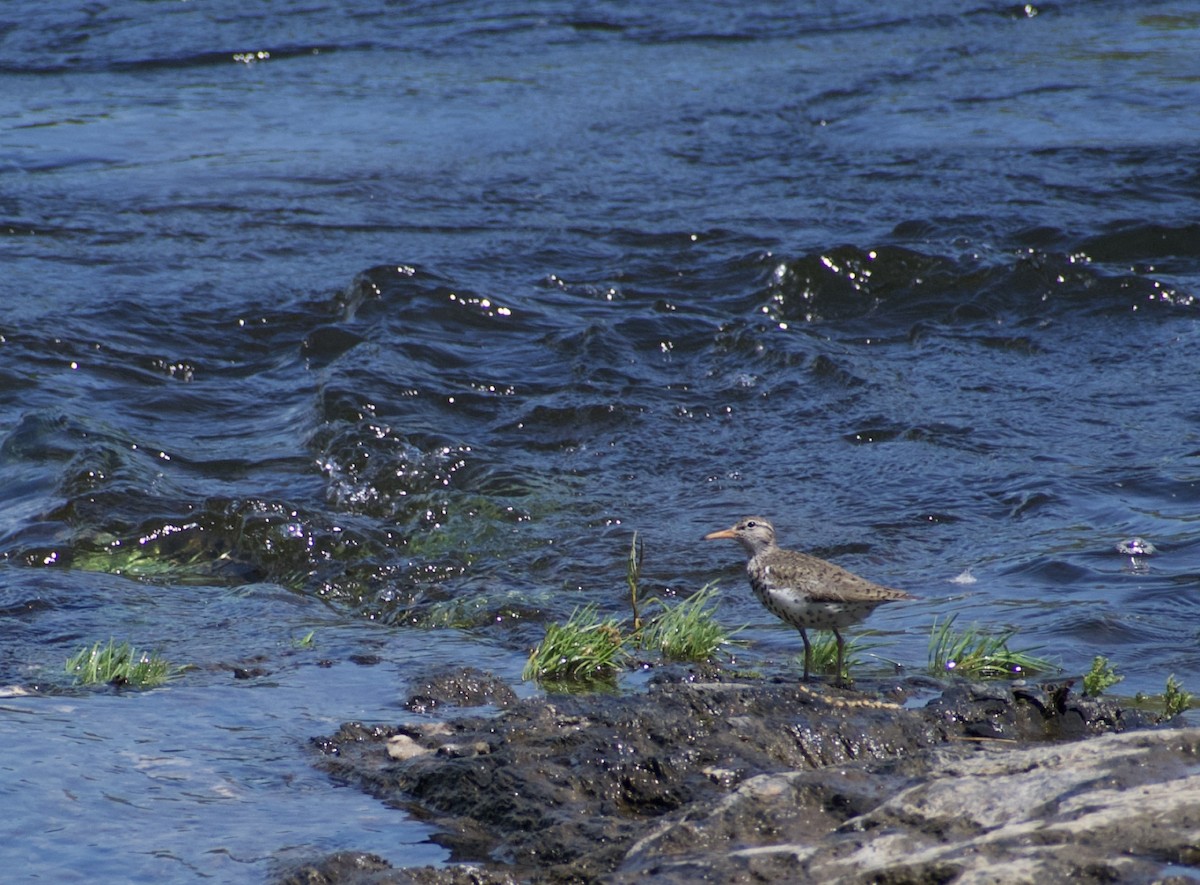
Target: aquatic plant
{"x":1102,"y":676}
{"x":979,"y":655}
{"x":477,"y":610}
{"x":584,"y":649}
{"x":687,"y":630}
{"x":1175,"y":699}
{"x":137,"y":560}
{"x":308,"y":640}
{"x":119,"y":664}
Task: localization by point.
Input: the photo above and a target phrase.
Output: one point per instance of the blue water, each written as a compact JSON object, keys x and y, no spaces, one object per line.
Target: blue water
{"x":394,"y":323}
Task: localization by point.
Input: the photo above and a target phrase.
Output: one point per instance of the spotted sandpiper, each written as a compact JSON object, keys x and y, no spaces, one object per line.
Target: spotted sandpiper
{"x":802,"y":590}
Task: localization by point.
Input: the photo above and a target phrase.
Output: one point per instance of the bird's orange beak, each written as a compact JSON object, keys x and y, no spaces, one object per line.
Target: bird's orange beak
{"x":716,"y":536}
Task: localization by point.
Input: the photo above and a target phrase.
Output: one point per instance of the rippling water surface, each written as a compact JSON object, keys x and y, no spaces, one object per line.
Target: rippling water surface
{"x":393,"y":324}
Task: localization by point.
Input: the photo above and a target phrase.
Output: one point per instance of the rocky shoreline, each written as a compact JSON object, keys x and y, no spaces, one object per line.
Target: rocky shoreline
{"x":737,"y":781}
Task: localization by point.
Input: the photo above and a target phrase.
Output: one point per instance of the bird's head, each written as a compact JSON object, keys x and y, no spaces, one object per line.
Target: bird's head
{"x":752,"y":532}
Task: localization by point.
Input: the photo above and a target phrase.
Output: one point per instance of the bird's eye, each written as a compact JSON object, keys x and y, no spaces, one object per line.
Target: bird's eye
{"x":751,"y":524}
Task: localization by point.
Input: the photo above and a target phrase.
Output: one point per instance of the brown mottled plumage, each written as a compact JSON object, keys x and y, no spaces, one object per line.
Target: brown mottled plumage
{"x":802,"y":590}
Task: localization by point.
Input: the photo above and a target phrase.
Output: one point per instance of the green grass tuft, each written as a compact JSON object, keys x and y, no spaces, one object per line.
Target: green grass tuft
{"x":1175,"y":699}
{"x":584,"y":649}
{"x":824,"y":653}
{"x":978,"y":655}
{"x":1102,"y":676}
{"x":687,"y":630}
{"x":119,"y":664}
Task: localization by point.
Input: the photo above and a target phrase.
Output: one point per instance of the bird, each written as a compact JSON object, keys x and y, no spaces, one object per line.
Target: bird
{"x":802,"y":590}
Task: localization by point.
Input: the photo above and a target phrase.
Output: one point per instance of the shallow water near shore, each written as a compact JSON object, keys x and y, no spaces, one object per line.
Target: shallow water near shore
{"x":185,"y":780}
{"x":393,"y":326}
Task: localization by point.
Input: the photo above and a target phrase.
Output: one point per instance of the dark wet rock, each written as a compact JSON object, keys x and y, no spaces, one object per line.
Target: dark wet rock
{"x":467,"y":687}
{"x":354,"y":868}
{"x":1027,"y":712}
{"x":346,"y":868}
{"x":744,"y":780}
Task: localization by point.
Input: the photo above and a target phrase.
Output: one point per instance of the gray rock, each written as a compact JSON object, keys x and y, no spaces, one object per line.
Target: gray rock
{"x":1117,"y":808}
{"x":403,"y":746}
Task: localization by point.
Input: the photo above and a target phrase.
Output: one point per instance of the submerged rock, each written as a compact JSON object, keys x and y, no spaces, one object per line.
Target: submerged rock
{"x":775,"y":781}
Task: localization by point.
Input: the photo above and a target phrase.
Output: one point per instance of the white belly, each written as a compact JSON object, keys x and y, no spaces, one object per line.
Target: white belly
{"x":798,"y":610}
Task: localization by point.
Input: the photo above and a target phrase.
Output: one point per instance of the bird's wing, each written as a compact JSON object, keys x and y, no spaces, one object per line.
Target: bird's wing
{"x":823,"y":581}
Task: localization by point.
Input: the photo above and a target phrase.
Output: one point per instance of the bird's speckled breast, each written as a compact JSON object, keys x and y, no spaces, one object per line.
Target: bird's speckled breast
{"x":789,"y":597}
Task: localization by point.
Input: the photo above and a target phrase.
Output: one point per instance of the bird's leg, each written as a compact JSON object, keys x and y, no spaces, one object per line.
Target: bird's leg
{"x":807,"y":653}
{"x":841,"y":644}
